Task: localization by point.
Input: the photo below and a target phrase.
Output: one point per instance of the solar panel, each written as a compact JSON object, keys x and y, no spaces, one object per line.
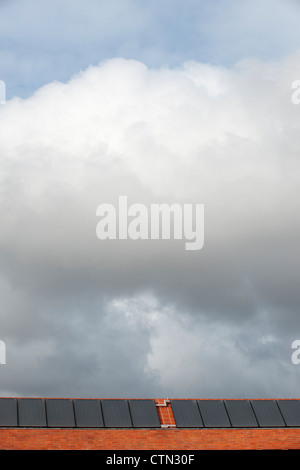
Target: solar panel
{"x":8,"y":412}
{"x":60,"y":412}
{"x":116,"y":414}
{"x":144,"y":414}
{"x":32,"y":412}
{"x":214,"y":414}
{"x":290,"y":410}
{"x":241,"y":414}
{"x":267,"y":413}
{"x":88,"y":413}
{"x":186,"y":414}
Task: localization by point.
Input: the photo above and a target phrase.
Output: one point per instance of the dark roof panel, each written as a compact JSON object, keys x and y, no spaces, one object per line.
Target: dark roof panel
{"x":32,"y":412}
{"x":8,"y":412}
{"x":290,"y":410}
{"x":144,"y":414}
{"x":214,"y":414}
{"x":241,"y":413}
{"x":267,"y":413}
{"x":60,"y":412}
{"x":88,"y":413}
{"x":186,"y":414}
{"x":116,"y":414}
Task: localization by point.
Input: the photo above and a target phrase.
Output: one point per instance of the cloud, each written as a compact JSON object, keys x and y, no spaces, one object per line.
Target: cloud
{"x":85,"y":317}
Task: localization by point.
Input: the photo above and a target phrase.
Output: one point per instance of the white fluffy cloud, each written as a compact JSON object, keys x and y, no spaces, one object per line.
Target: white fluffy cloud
{"x":227,"y":138}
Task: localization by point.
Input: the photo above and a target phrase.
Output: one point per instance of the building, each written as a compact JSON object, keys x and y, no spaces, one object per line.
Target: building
{"x":145,"y":424}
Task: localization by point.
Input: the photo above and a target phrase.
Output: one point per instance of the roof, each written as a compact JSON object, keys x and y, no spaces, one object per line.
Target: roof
{"x":148,"y":413}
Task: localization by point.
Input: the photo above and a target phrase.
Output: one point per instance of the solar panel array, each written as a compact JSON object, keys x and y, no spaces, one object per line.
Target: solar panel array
{"x":80,"y":413}
{"x":116,"y":413}
{"x":236,"y":413}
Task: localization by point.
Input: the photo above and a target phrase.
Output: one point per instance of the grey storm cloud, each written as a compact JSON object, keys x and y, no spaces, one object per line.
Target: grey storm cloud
{"x":85,"y":317}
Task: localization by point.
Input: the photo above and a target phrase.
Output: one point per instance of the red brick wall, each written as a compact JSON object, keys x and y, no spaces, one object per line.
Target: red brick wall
{"x":155,"y":439}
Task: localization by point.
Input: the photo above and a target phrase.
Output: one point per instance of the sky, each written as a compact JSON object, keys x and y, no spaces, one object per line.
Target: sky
{"x":164,"y":102}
